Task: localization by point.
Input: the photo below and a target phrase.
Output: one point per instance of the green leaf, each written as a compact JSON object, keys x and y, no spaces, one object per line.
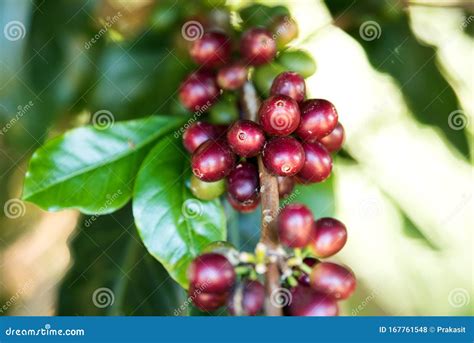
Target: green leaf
{"x":174,"y":225}
{"x":92,"y":169}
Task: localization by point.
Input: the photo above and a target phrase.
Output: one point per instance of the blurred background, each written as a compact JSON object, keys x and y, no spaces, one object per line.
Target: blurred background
{"x":399,"y":72}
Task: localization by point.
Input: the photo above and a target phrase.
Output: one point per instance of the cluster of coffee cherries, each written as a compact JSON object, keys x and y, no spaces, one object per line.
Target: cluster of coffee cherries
{"x":309,"y":286}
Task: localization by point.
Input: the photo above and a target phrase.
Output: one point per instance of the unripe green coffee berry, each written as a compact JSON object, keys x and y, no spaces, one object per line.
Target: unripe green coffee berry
{"x":225,"y":111}
{"x":298,"y":61}
{"x":206,"y":190}
{"x":264,"y":75}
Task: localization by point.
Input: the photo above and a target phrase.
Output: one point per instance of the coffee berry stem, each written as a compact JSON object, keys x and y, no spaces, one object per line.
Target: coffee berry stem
{"x":269,"y":205}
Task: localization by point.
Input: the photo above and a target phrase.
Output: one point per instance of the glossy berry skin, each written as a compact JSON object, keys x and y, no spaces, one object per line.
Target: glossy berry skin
{"x":334,"y":141}
{"x":232,"y":77}
{"x":207,"y":301}
{"x":303,"y":279}
{"x":243,"y":183}
{"x":279,"y":115}
{"x":295,"y":225}
{"x":285,"y":186}
{"x":211,"y":273}
{"x":244,"y":207}
{"x":213,"y":49}
{"x":198,"y":90}
{"x":251,"y":296}
{"x":257,"y":46}
{"x":246,"y":138}
{"x":283,"y":156}
{"x":318,"y":118}
{"x":328,"y":238}
{"x":212,"y":161}
{"x":206,"y":190}
{"x":317,"y":163}
{"x":290,"y":84}
{"x":333,"y":279}
{"x":309,"y":303}
{"x":198,"y":133}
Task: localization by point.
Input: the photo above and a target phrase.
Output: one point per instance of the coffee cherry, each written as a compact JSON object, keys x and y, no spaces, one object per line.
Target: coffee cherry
{"x":244,"y":207}
{"x":242,"y":182}
{"x":212,"y":161}
{"x":257,"y":46}
{"x":246,"y":138}
{"x":328,"y":238}
{"x":303,"y":279}
{"x":290,"y":84}
{"x":307,"y":302}
{"x":211,"y":273}
{"x":206,"y":190}
{"x":264,"y":75}
{"x":199,"y":89}
{"x":232,"y":77}
{"x":198,"y":133}
{"x":207,"y":301}
{"x":318,"y":118}
{"x":224,"y":111}
{"x":295,"y":225}
{"x":333,"y":279}
{"x":247,"y":299}
{"x":279,"y":115}
{"x":283,"y":156}
{"x":333,"y":142}
{"x":298,"y":61}
{"x":317,"y":163}
{"x":213,"y":49}
{"x":284,"y":30}
{"x":285,"y":186}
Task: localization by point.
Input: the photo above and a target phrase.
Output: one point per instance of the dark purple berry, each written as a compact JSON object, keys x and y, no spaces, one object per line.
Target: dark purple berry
{"x":329,"y":237}
{"x":290,"y":84}
{"x":198,"y":90}
{"x":307,"y":302}
{"x":317,"y":163}
{"x":333,"y":142}
{"x":257,"y":46}
{"x":279,"y":115}
{"x":286,"y":184}
{"x":213,"y":49}
{"x":198,"y":133}
{"x":211,"y":273}
{"x":333,"y":279}
{"x":212,"y":161}
{"x":243,"y":183}
{"x":232,"y":77}
{"x":318,"y":118}
{"x":295,"y":225}
{"x":246,"y":138}
{"x":283,"y":156}
{"x":207,"y":301}
{"x":244,"y":207}
{"x":247,"y":299}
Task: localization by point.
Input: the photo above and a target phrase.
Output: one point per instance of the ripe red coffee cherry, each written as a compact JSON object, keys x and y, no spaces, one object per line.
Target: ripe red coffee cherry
{"x":199,"y":89}
{"x":307,"y":302}
{"x":207,"y":301}
{"x":317,"y":163}
{"x":246,"y":138}
{"x":333,"y":279}
{"x":211,"y":273}
{"x":247,"y":299}
{"x":232,"y":77}
{"x":303,"y":279}
{"x":285,"y":186}
{"x":244,"y":207}
{"x":257,"y":46}
{"x":328,"y":238}
{"x":333,"y":142}
{"x":318,"y":118}
{"x":242,"y":182}
{"x":283,"y":156}
{"x":213,"y":49}
{"x":295,"y":225}
{"x":198,"y":133}
{"x":279,"y":115}
{"x":290,"y":84}
{"x":212,"y":161}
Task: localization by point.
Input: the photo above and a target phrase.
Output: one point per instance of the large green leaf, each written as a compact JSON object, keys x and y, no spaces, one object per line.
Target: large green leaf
{"x":92,"y":169}
{"x":174,"y":225}
{"x":113,"y":274}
